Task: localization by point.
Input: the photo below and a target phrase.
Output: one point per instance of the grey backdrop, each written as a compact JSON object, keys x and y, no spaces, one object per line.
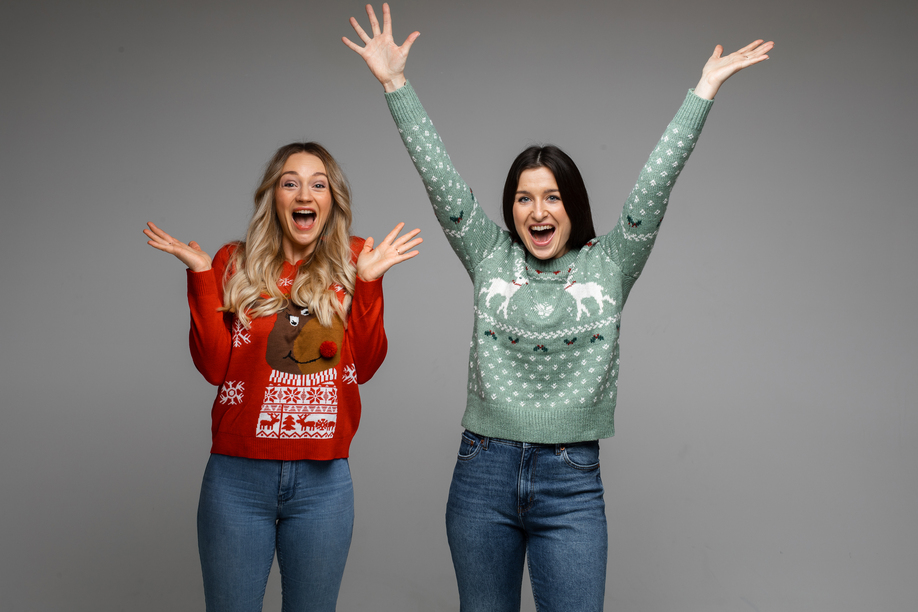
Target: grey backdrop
{"x":766,"y":450}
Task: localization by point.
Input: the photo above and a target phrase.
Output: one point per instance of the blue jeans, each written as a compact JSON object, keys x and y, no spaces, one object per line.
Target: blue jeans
{"x":508,"y":498}
{"x":251,"y":507}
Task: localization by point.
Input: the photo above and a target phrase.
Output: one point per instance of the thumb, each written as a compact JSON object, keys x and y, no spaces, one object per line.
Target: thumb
{"x":406,"y":46}
{"x":368,"y":244}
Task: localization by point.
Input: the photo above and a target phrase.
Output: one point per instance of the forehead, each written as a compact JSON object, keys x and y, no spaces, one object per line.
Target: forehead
{"x":537,"y":179}
{"x":304,"y":164}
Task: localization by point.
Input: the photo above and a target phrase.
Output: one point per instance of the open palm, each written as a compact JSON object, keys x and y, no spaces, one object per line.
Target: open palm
{"x":384,"y":58}
{"x":720,"y":67}
{"x":372,"y":263}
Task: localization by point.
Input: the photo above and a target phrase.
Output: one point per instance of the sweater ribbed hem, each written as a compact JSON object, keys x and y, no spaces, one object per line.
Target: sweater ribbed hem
{"x":225,"y":443}
{"x":560,"y":425}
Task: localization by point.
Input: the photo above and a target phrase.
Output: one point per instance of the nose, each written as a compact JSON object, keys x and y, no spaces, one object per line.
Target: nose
{"x":538,"y":210}
{"x":303,"y":194}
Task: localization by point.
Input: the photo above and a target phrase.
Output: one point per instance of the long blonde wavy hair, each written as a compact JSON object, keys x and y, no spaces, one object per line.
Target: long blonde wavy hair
{"x":257,"y":263}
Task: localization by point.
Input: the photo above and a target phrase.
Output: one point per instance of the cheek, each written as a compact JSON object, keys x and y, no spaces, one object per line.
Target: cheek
{"x":565,"y":223}
{"x":279,"y":202}
{"x":326,"y":208}
{"x":519,"y":219}
{"x":567,"y":227}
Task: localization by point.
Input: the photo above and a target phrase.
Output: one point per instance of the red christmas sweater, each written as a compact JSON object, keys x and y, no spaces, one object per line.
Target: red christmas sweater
{"x":288,"y":385}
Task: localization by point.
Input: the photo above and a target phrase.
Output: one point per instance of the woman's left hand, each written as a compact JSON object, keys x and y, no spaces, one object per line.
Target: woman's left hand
{"x":718,"y":69}
{"x":373,"y":263}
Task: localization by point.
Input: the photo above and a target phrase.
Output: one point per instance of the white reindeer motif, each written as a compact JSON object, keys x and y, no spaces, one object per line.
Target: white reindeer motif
{"x":581,"y":291}
{"x":504,"y":289}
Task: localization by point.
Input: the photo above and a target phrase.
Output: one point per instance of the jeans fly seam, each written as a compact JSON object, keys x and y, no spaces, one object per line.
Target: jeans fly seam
{"x":519,"y":483}
{"x":532,"y":469}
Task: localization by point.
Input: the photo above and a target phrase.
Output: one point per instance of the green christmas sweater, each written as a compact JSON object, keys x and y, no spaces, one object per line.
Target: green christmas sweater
{"x":544,"y":356}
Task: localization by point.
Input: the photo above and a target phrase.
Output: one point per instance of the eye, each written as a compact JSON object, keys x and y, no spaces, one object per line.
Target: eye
{"x":553,"y":198}
{"x":523,"y":199}
{"x":294,"y":320}
{"x":289,"y":184}
{"x":305,"y":312}
{"x":318,"y":186}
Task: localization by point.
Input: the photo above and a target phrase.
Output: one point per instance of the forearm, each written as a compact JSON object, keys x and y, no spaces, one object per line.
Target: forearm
{"x":210,"y":337}
{"x":635,"y":233}
{"x":366,"y":330}
{"x":469,"y":231}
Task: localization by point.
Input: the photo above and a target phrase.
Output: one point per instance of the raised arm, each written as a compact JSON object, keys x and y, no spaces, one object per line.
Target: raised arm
{"x":630,"y":242}
{"x":210,"y":337}
{"x":469,"y":231}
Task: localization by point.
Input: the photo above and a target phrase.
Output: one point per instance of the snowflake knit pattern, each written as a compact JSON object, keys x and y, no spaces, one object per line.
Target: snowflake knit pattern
{"x":544,"y":355}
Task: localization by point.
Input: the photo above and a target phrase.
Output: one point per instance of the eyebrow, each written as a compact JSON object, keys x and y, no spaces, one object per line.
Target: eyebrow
{"x":523,"y":191}
{"x":295,"y":173}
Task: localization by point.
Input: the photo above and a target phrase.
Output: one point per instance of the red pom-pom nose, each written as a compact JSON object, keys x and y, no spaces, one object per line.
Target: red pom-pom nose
{"x":328,"y":349}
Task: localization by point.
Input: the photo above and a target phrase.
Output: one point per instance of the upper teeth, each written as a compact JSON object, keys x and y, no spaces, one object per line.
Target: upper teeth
{"x":539,"y":228}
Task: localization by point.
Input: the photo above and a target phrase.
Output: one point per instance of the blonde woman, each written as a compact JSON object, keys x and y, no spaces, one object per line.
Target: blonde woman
{"x":287,"y":324}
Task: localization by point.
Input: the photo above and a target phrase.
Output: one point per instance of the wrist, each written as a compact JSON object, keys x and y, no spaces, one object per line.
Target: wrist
{"x":396,"y":82}
{"x":707,"y":88}
{"x":368,"y":278}
{"x":199,"y":266}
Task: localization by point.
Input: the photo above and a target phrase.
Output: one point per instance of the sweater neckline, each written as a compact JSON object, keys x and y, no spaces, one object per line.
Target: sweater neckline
{"x":557,"y":268}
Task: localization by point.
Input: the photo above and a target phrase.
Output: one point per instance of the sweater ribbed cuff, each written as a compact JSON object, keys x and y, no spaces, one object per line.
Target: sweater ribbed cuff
{"x":404,"y":104}
{"x":694,"y":111}
{"x":201,"y":283}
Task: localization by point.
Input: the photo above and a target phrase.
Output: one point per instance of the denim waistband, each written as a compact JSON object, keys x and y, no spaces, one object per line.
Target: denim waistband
{"x":485,"y":440}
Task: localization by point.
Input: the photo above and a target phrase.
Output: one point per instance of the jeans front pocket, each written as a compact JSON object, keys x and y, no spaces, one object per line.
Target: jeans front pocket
{"x":470,"y":446}
{"x":582,"y":456}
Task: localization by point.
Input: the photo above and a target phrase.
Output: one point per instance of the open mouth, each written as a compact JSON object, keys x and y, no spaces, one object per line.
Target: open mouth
{"x":304,"y":219}
{"x":541,"y":234}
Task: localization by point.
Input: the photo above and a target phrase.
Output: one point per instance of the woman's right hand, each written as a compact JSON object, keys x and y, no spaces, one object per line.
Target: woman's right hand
{"x":384,"y":58}
{"x":189,"y":254}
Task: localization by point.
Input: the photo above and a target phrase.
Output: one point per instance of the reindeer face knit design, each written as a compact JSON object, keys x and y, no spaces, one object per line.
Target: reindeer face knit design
{"x":544,"y":355}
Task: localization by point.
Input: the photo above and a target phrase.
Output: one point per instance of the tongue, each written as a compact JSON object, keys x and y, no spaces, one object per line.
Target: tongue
{"x":542,"y":236}
{"x":304,"y":222}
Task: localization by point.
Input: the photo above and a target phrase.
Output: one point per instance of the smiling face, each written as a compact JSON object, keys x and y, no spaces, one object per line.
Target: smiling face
{"x":539,"y":215}
{"x":303,"y":203}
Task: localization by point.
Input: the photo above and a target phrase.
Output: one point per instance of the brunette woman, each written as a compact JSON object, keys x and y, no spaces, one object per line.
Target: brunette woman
{"x":544,"y":358}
